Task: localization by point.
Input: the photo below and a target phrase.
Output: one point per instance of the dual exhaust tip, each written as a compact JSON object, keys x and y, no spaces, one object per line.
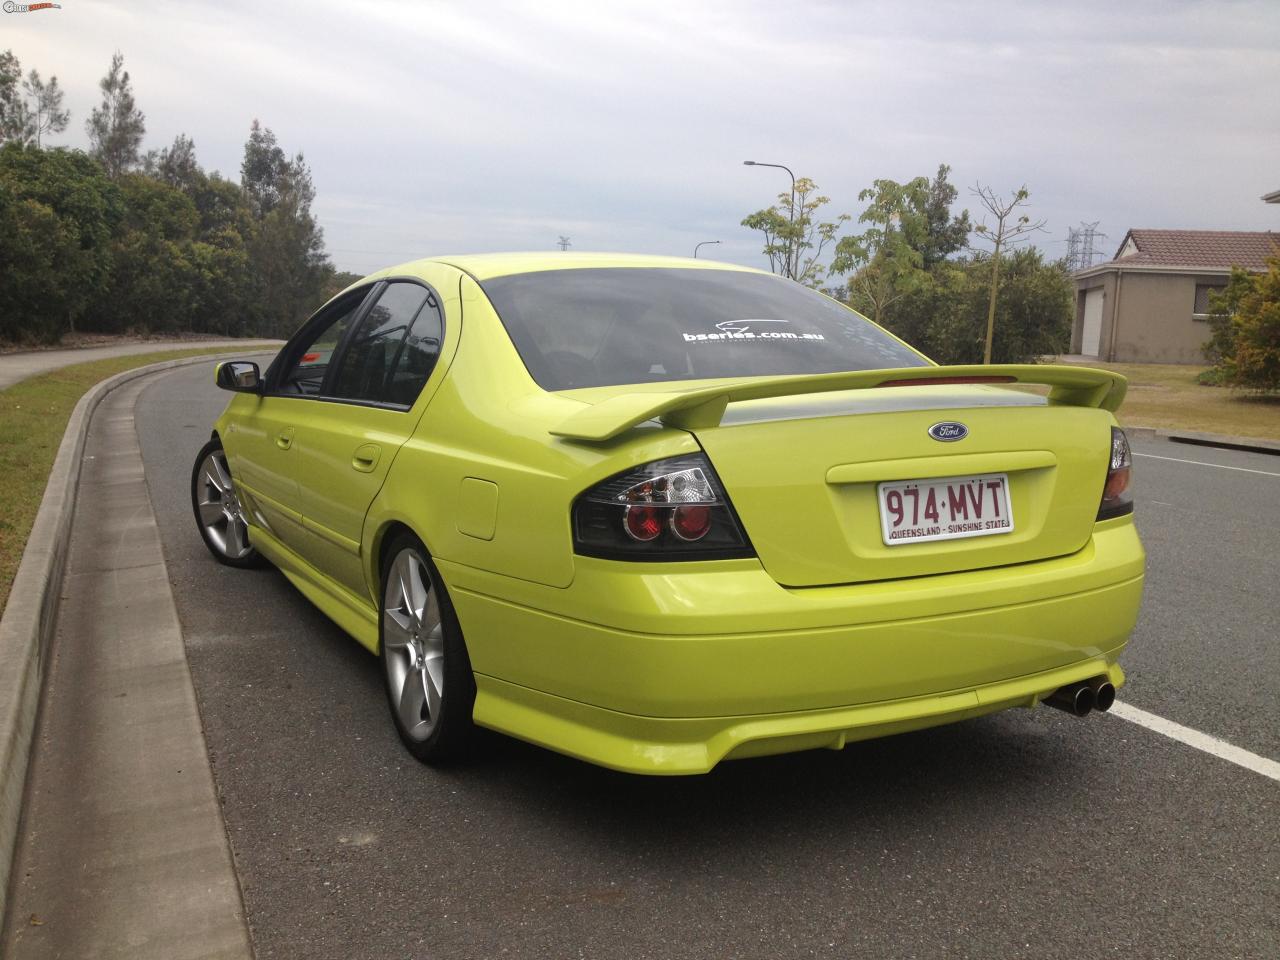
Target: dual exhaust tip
{"x":1080,"y":698}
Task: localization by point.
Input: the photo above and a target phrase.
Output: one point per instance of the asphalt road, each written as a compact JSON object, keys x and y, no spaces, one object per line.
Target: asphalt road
{"x":1028,"y":834}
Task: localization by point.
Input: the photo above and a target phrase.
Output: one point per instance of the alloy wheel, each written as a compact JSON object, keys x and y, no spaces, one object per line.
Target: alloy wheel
{"x":413,"y":636}
{"x":219,"y":508}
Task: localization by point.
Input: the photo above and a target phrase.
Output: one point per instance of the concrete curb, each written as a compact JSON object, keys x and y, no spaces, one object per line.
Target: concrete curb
{"x":28,"y":621}
{"x":1196,"y":438}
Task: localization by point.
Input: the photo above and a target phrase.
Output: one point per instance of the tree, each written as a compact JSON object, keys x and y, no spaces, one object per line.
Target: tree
{"x":794,"y":237}
{"x":29,"y":107}
{"x":175,"y":165}
{"x":1005,"y":232}
{"x":944,"y":234}
{"x":885,"y":260}
{"x":265,"y":172}
{"x":57,"y":215}
{"x":44,"y":108}
{"x":1246,"y":339}
{"x":1223,"y":306}
{"x":116,"y":127}
{"x":151,"y":271}
{"x":287,"y":250}
{"x":13,"y":109}
{"x":945,"y":314}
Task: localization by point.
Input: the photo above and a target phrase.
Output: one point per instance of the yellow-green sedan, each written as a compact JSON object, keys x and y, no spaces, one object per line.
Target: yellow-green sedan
{"x":655,"y":513}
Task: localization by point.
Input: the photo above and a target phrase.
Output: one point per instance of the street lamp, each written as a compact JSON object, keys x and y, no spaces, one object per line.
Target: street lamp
{"x":702,"y":244}
{"x":791,"y":241}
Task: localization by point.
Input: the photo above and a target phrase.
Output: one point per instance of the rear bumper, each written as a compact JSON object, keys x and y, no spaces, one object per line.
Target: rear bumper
{"x":670,"y":668}
{"x":653,"y":745}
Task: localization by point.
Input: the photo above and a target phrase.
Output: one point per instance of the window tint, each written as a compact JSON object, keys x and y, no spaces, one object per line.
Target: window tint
{"x":597,"y":327}
{"x":417,"y":355}
{"x":374,"y":366}
{"x":308,"y":371}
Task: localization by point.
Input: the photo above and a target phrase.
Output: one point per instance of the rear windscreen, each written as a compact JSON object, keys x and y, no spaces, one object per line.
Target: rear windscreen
{"x":598,"y":327}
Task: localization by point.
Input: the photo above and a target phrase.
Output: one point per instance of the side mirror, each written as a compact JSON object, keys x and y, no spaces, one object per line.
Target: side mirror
{"x":240,"y":376}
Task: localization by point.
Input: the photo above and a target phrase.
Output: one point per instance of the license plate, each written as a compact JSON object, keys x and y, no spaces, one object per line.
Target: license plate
{"x":948,"y":508}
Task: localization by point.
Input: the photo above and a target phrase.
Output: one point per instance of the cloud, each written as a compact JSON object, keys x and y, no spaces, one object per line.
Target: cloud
{"x":434,"y":127}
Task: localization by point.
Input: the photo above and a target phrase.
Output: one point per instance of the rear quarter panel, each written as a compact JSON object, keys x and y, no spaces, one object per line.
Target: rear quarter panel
{"x":489,"y":422}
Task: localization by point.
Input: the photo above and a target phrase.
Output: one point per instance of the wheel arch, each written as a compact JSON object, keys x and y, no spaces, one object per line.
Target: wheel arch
{"x":384,"y":534}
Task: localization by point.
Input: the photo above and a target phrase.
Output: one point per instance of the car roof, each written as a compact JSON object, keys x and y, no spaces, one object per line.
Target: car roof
{"x":485,"y":266}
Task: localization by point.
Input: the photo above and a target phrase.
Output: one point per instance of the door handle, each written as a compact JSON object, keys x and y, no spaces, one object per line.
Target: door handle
{"x":284,"y":439}
{"x":365,"y":459}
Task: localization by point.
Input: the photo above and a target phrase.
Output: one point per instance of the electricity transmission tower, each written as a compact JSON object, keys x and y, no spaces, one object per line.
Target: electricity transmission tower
{"x":1080,"y":245}
{"x":563,"y":243}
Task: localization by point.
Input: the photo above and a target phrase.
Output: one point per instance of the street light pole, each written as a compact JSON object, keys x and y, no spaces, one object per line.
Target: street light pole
{"x":701,"y":244}
{"x":791,"y":241}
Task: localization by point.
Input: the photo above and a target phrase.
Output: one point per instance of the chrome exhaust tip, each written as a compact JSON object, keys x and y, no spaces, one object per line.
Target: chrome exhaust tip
{"x":1104,"y":693}
{"x":1075,"y":698}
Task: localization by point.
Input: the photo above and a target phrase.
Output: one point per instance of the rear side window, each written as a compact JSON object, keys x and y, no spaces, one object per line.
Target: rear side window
{"x":599,"y":327}
{"x":391,"y":354}
{"x":418,"y":355}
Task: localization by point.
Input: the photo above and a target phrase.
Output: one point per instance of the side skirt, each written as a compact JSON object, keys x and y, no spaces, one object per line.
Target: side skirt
{"x":335,"y":601}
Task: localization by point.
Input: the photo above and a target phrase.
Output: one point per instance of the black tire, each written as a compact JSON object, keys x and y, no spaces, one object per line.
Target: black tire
{"x":223,"y":531}
{"x":415,"y":652}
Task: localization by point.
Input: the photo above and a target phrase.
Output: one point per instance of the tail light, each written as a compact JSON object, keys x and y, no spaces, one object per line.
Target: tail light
{"x":671,"y":509}
{"x":1117,"y":498}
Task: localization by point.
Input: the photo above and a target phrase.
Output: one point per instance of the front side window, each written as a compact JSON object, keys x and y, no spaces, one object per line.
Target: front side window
{"x":311,"y":361}
{"x":391,"y":354}
{"x":605,"y":326}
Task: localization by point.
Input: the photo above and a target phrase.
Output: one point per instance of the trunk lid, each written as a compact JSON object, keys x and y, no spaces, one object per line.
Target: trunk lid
{"x":803,"y":475}
{"x":802,"y":457}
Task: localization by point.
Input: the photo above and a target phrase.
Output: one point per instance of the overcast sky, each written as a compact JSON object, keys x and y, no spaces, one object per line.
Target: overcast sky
{"x":460,"y":127}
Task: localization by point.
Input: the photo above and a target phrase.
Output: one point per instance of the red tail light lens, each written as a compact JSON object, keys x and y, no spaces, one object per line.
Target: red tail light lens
{"x":691,"y":523}
{"x":642,"y":523}
{"x":1117,"y":498}
{"x":666,"y":510}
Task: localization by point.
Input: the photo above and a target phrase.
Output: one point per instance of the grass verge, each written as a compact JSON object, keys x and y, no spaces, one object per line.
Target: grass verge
{"x":33,"y":418}
{"x":1166,"y":396}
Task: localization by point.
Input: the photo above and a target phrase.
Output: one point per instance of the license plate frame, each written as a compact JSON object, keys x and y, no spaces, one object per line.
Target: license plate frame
{"x":987,"y":508}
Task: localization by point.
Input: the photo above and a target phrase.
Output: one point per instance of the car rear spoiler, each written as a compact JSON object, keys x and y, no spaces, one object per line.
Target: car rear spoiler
{"x":702,"y":407}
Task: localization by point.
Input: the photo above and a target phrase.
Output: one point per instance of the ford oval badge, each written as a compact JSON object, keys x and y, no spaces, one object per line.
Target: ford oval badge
{"x":948,"y":430}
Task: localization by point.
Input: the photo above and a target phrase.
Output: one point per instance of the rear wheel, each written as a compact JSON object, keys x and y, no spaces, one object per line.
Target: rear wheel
{"x":219,"y":515}
{"x":430,"y":688}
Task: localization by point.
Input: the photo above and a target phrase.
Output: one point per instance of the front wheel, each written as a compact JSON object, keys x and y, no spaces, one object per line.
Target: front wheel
{"x":430,"y":687}
{"x":219,"y":516}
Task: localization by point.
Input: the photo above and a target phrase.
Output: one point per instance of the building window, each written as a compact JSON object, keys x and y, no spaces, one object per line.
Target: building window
{"x":1200,"y":311}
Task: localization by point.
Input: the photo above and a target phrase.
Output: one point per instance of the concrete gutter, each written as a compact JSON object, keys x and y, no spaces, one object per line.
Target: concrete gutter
{"x":29,"y":618}
{"x":1196,"y":438}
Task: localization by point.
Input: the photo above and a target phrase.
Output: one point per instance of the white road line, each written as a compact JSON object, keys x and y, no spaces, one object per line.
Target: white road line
{"x":1201,"y":741}
{"x":1201,"y":463}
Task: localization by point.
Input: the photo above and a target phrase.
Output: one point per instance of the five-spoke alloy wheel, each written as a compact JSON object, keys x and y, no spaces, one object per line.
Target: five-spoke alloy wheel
{"x":430,"y":687}
{"x":219,"y":514}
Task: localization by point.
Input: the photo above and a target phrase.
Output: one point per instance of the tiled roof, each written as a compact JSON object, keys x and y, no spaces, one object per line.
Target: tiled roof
{"x":1211,"y":249}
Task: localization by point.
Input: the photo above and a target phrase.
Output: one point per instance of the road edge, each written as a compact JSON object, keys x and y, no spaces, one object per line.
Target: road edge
{"x":1197,"y":438}
{"x":29,"y":617}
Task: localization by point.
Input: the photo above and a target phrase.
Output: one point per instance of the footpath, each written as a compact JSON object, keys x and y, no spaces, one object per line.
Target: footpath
{"x":15,"y":367}
{"x":112,"y":842}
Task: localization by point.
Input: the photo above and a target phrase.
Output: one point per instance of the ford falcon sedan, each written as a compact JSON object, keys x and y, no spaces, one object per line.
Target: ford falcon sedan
{"x":656,"y":513}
